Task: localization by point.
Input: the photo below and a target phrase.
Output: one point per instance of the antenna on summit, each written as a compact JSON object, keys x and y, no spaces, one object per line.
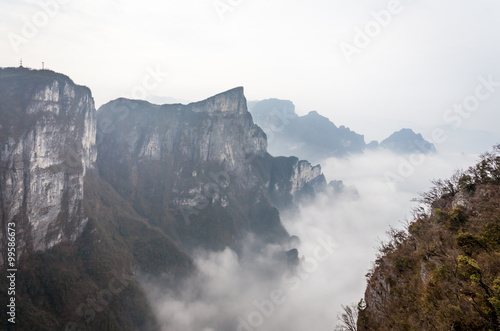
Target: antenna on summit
{"x":21,"y":64}
{"x":43,"y":65}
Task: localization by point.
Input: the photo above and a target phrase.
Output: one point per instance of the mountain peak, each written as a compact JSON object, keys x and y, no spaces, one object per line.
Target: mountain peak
{"x":230,"y":101}
{"x":407,"y":141}
{"x":314,"y":115}
{"x":406,"y":132}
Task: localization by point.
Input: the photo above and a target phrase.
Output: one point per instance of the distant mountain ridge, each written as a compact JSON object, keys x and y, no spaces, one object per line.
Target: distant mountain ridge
{"x":315,"y":138}
{"x":406,"y":141}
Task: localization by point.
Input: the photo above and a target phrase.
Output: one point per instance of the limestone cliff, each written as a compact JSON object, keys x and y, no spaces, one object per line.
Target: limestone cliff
{"x":200,"y":171}
{"x":47,"y":141}
{"x":74,"y":234}
{"x":129,"y":189}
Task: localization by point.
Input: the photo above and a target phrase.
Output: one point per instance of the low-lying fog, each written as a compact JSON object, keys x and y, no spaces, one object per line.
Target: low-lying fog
{"x":339,"y":235}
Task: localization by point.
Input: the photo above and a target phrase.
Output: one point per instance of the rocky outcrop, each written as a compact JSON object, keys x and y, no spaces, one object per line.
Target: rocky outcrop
{"x":77,"y":241}
{"x":47,"y":141}
{"x":131,"y":189}
{"x":200,"y":171}
{"x":303,"y":174}
{"x":218,"y":130}
{"x":190,"y":170}
{"x":288,"y":179}
{"x":441,"y":272}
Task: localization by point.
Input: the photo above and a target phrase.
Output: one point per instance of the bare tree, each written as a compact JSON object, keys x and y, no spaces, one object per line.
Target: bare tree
{"x":348,"y":319}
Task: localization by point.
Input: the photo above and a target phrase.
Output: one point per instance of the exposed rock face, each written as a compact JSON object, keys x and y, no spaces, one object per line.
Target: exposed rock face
{"x":129,"y":189}
{"x":200,"y":171}
{"x":47,"y":141}
{"x":218,"y":130}
{"x":303,"y":174}
{"x":376,"y":294}
{"x":288,"y":179}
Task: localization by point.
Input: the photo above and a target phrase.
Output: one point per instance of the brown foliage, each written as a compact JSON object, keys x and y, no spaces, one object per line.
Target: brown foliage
{"x":444,"y":273}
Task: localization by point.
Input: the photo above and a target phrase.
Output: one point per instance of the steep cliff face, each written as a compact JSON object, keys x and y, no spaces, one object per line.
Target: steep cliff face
{"x":217,"y":130}
{"x":287,"y":180}
{"x":47,"y":141}
{"x":101,"y":197}
{"x":200,"y":171}
{"x":78,"y":241}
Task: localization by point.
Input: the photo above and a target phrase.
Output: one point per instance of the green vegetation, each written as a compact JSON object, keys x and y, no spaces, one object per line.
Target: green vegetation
{"x":443,"y":273}
{"x":91,"y":284}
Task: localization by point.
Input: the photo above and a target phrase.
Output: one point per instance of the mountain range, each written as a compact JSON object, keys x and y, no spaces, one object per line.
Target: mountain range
{"x":315,"y":138}
{"x":102,"y":199}
{"x":99,"y":197}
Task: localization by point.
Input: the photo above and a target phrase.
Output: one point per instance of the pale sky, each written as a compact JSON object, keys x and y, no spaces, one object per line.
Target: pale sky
{"x":427,"y":56}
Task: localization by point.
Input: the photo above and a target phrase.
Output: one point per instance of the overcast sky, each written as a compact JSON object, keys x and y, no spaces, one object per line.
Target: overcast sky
{"x":427,"y":56}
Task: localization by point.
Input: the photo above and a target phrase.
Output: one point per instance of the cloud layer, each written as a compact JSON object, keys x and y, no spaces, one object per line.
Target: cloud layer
{"x":338,"y":235}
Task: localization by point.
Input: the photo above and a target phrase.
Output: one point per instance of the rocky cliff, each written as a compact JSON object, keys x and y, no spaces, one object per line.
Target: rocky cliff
{"x":99,"y":198}
{"x":78,"y":243}
{"x":442,"y":273}
{"x":200,"y":172}
{"x":47,"y":142}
